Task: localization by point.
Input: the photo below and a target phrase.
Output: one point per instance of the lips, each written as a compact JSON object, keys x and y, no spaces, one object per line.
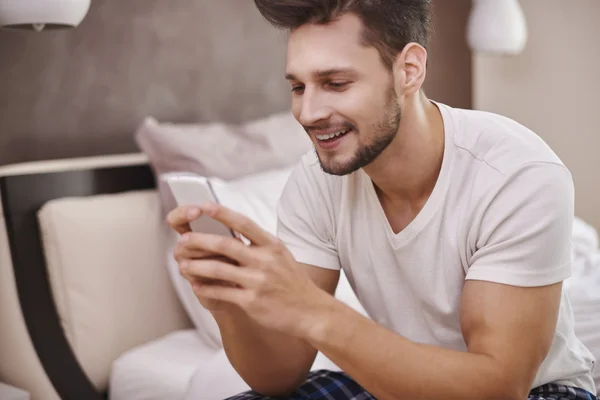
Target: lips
{"x":329,"y":136}
{"x":329,"y":141}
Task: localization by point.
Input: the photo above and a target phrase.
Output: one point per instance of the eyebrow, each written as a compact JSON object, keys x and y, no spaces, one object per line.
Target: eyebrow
{"x":323,"y":73}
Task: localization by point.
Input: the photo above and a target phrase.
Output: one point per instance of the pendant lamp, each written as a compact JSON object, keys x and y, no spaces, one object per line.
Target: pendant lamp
{"x":42,"y":14}
{"x":497,"y":27}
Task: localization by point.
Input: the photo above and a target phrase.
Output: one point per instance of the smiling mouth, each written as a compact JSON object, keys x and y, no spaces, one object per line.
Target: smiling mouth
{"x":332,"y":136}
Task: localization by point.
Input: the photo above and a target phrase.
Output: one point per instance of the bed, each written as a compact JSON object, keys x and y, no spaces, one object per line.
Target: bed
{"x":91,"y":305}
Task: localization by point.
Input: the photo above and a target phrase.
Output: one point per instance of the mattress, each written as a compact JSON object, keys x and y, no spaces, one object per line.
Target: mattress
{"x":158,"y":370}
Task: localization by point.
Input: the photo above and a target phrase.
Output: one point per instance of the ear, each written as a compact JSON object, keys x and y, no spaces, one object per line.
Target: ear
{"x":410,"y":68}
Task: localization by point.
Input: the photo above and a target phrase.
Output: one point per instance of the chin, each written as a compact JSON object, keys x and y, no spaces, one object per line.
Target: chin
{"x":337,"y":164}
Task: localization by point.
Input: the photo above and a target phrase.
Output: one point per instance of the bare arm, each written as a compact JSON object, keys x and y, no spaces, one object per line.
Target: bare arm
{"x":508,"y":331}
{"x":270,"y":362}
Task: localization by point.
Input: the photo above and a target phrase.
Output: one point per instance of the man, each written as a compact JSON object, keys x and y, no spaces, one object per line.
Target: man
{"x":453,"y":227}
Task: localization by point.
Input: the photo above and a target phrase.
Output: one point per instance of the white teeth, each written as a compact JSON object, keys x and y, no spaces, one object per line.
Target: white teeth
{"x":331,"y":135}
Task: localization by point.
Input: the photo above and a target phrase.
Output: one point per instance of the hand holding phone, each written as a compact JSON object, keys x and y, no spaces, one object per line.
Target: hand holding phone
{"x":193,"y":190}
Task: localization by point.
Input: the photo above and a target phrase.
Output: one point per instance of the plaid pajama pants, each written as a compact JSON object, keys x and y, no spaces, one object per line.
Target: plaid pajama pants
{"x":330,"y":385}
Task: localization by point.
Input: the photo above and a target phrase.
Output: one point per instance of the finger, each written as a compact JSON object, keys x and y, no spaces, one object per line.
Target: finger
{"x":190,"y":249}
{"x":201,"y":281}
{"x":222,"y":271}
{"x":184,"y":264}
{"x":182,"y":252}
{"x":179,"y":218}
{"x":226,"y":246}
{"x":220,"y":258}
{"x":193,"y":248}
{"x":233,"y":295}
{"x":238,"y":223}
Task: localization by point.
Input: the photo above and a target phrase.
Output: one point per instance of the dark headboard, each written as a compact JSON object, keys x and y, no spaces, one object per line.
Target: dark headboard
{"x":22,"y":195}
{"x":83,"y":92}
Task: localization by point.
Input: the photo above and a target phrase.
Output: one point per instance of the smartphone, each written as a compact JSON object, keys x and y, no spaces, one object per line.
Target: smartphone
{"x":196,"y":190}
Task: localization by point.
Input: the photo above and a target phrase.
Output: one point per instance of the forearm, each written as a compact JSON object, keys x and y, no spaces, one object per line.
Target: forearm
{"x":391,"y":367}
{"x":272,"y":363}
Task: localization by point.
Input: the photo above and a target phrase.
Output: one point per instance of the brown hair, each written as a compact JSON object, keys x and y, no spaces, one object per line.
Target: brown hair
{"x":389,"y":24}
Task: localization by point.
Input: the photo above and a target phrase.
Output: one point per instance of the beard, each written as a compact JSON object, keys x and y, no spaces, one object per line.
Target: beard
{"x":386,"y":129}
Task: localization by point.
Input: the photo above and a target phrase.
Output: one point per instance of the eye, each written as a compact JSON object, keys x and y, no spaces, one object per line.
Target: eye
{"x":337,"y":85}
{"x":298,"y":89}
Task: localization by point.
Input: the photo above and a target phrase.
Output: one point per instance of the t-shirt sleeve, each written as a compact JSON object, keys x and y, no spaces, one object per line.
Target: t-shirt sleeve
{"x":524,"y":234}
{"x":305,"y":220}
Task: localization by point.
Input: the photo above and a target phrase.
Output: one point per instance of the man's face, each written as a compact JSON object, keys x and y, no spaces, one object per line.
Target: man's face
{"x":342,"y":94}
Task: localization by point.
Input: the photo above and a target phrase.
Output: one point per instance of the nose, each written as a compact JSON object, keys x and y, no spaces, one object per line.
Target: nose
{"x":312,"y":108}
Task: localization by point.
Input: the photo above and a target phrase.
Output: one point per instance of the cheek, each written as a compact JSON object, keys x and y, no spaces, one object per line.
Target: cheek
{"x":361,"y":108}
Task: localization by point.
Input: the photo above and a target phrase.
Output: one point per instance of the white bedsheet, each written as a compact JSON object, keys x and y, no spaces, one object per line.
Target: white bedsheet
{"x":583,"y":288}
{"x":158,"y":370}
{"x":180,"y":367}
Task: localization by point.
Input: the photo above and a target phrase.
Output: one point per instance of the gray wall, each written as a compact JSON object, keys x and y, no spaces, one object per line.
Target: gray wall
{"x":554,"y":89}
{"x":83,"y":92}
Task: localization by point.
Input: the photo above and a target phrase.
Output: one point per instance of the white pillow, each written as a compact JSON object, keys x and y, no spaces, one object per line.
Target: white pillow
{"x":226,"y":151}
{"x":256,"y":197}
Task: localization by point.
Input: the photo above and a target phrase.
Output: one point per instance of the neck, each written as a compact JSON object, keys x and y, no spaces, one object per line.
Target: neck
{"x":407,"y":170}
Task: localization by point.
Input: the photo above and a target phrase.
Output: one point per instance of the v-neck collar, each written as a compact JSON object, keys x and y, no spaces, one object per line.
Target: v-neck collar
{"x":435,"y":198}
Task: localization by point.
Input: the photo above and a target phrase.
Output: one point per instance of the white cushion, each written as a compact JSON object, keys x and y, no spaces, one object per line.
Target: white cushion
{"x":105,"y":259}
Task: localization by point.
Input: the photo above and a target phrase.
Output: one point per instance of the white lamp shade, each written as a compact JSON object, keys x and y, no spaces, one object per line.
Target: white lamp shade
{"x":37,"y":14}
{"x":497,"y":27}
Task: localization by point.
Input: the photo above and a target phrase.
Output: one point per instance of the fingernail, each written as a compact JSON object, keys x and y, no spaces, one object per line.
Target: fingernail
{"x":193,"y":213}
{"x":184,"y":265}
{"x":185,"y":237}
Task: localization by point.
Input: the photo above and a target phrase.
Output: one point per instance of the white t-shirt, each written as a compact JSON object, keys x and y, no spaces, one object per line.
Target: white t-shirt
{"x":501,"y":211}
